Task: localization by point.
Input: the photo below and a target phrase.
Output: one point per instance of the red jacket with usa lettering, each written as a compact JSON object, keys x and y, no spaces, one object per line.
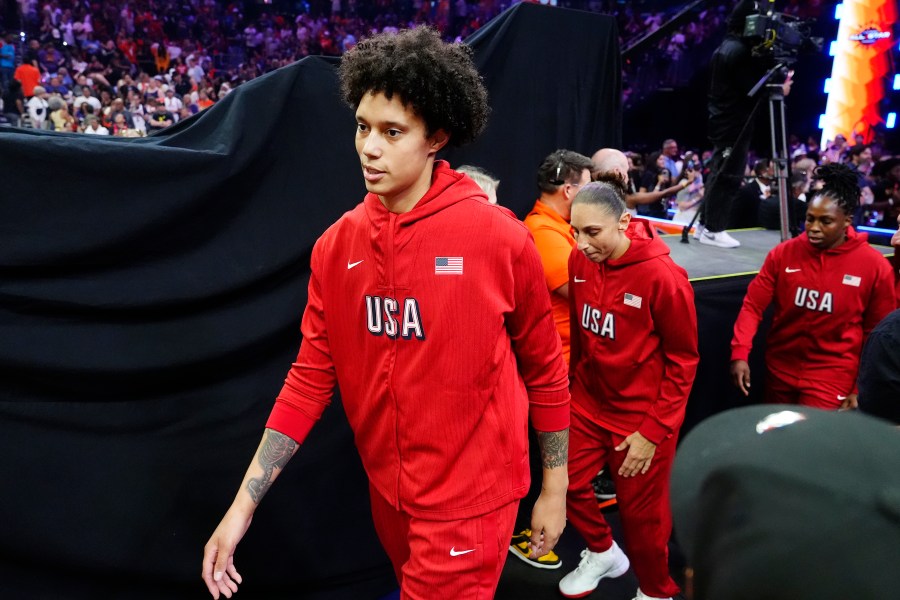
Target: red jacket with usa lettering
{"x":826,"y":303}
{"x":634,"y":338}
{"x":436,"y":325}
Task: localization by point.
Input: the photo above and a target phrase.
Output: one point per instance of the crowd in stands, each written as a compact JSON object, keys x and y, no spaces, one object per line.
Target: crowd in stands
{"x":166,"y":60}
{"x":877,"y":168}
{"x":129,"y":68}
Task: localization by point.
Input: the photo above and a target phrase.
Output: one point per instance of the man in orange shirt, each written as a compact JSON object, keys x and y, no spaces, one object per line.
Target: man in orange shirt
{"x":559,"y":177}
{"x":28,"y":75}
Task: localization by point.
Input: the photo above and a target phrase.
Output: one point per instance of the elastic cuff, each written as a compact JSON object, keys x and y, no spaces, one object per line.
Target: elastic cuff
{"x":740,"y":353}
{"x":286,"y":419}
{"x":550,"y":418}
{"x":654,"y":431}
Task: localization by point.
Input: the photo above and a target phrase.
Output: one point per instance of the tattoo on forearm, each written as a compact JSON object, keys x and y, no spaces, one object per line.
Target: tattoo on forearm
{"x":276,"y":451}
{"x":554,"y":448}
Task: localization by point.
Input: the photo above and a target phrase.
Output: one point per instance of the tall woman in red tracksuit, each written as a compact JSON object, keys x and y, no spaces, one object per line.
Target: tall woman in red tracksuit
{"x":633,"y":361}
{"x":830,"y":289}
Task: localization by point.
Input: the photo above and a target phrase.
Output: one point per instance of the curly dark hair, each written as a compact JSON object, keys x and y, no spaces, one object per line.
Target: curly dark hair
{"x":841,"y":184}
{"x":437,"y":80}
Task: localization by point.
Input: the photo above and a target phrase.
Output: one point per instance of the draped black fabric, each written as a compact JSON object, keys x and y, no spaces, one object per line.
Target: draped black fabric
{"x":150,"y":298}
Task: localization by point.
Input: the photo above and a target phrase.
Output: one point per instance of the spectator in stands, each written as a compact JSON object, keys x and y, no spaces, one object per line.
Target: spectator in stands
{"x":182,"y":85}
{"x":38,"y":108}
{"x":634,"y":358}
{"x":135,"y":104}
{"x":671,"y":160}
{"x":688,"y":198}
{"x":485,"y":180}
{"x":118,"y":108}
{"x":49,"y":59}
{"x":14,"y":103}
{"x":830,"y":289}
{"x":62,"y":119}
{"x":92,"y":126}
{"x":835,"y":150}
{"x":28,"y":75}
{"x":612,"y":166}
{"x":172,"y":103}
{"x":203,"y":100}
{"x":88,"y":97}
{"x":160,"y":118}
{"x":7,"y":61}
{"x":657,"y":177}
{"x":769,"y":213}
{"x":56,"y":87}
{"x":746,"y":205}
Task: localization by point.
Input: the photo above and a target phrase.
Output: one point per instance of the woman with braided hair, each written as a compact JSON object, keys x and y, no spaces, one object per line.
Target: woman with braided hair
{"x":829,"y":289}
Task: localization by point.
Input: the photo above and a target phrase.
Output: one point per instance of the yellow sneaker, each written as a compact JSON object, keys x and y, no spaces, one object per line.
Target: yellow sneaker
{"x":519,"y":547}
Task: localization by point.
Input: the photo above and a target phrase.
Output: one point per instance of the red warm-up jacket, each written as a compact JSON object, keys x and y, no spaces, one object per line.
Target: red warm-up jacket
{"x":826,"y":303}
{"x":634,"y":338}
{"x":436,"y":325}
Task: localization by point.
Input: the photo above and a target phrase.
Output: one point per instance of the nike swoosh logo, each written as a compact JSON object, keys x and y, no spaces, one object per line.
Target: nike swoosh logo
{"x":580,"y":280}
{"x":454,"y":552}
{"x":350,"y":265}
{"x":841,"y":397}
{"x":790,"y":270}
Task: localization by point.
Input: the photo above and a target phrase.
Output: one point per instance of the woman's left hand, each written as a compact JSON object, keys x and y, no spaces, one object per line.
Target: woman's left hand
{"x":640,"y":454}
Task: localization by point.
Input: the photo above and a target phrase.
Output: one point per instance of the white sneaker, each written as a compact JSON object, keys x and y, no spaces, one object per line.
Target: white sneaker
{"x":698,"y":230}
{"x":593,"y":567}
{"x":642,"y":596}
{"x":720,"y":239}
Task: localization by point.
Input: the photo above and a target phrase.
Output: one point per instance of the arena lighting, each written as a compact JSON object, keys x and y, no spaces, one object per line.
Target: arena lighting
{"x":860,"y":70}
{"x":827,"y":86}
{"x":821,"y":121}
{"x":891,"y":121}
{"x":832,"y":48}
{"x":897,"y":81}
{"x":838,"y":10}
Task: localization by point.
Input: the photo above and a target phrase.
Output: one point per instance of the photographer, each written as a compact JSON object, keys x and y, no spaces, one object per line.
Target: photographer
{"x":734,"y":72}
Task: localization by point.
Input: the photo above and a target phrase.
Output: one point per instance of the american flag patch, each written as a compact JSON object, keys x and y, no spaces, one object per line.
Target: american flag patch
{"x":632,"y":300}
{"x":852,"y":280}
{"x":448,"y":265}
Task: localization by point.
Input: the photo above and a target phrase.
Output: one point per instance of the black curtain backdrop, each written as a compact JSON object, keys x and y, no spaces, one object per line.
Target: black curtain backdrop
{"x":150,"y":298}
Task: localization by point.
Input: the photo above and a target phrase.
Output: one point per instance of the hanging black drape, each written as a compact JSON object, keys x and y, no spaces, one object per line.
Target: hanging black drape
{"x":150,"y":298}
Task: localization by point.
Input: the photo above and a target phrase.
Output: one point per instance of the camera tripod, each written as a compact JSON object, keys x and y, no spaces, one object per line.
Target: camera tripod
{"x":780,"y":151}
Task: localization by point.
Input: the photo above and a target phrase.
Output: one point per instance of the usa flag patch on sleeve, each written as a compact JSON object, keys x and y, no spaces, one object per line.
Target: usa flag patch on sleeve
{"x":852,"y":280}
{"x":448,"y":265}
{"x":632,"y":300}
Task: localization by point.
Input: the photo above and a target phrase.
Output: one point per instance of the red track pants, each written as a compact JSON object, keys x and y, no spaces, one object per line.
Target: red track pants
{"x":445,"y":559}
{"x":643,"y":503}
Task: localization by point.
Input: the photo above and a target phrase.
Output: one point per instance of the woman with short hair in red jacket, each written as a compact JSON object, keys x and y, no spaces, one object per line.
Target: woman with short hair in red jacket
{"x":633,"y":361}
{"x":829,"y":289}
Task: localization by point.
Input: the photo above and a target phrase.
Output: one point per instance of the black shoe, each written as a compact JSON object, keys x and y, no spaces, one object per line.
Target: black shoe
{"x":604,"y":488}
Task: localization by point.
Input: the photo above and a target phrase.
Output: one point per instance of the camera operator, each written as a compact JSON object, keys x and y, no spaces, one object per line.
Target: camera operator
{"x":734,"y":72}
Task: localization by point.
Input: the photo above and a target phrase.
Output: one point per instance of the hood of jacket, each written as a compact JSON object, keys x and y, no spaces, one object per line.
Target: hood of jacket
{"x":645,"y":244}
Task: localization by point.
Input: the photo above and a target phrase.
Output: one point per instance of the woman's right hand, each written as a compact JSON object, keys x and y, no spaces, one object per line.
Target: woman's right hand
{"x":740,"y":375}
{"x":218,"y":573}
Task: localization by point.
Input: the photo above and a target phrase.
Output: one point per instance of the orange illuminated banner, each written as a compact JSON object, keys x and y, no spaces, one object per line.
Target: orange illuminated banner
{"x":861,"y":67}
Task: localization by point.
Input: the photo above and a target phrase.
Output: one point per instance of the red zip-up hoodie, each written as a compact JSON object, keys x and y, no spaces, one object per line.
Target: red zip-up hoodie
{"x":436,"y":324}
{"x":634,"y":338}
{"x":826,"y":303}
